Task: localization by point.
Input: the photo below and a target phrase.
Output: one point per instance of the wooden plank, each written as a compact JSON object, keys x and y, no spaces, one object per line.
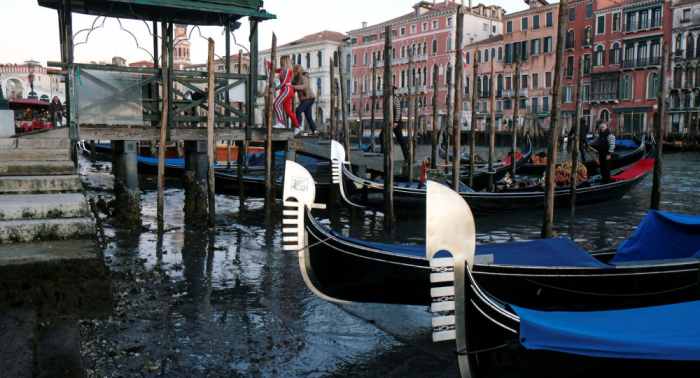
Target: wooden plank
{"x":211,"y":147}
{"x":90,"y":132}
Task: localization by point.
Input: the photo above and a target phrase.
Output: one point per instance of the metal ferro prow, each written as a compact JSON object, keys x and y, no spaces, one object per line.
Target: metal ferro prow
{"x":449,"y":228}
{"x":337,"y":165}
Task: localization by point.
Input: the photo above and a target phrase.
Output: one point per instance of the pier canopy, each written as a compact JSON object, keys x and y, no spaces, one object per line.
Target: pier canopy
{"x":198,"y":12}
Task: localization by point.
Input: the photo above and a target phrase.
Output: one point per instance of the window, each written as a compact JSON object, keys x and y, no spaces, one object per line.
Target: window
{"x":308,"y":60}
{"x":535,"y":81}
{"x":599,"y":58}
{"x":500,"y":53}
{"x":536,"y":22}
{"x":572,"y":14}
{"x":653,"y":85}
{"x":424,"y":26}
{"x":570,"y":39}
{"x":549,"y":20}
{"x":600,"y":27}
{"x":523,"y":23}
{"x":354,"y":60}
{"x":494,"y":29}
{"x":569,"y":71}
{"x":523,"y":81}
{"x":686,"y":15}
{"x":589,"y":10}
{"x":587,"y":37}
{"x":525,"y":50}
{"x":533,"y":104}
{"x":536,"y":46}
{"x":403,"y":31}
{"x":586,"y":92}
{"x":587,"y":64}
{"x":486,"y":27}
{"x":468,"y":58}
{"x":545,"y":104}
{"x":509,"y":53}
{"x":478,"y":56}
{"x":626,"y":87}
{"x":508,"y":105}
{"x":509,"y":26}
{"x":466,"y":83}
{"x":435,"y":24}
{"x":354,"y":85}
{"x":548,"y":79}
{"x":616,"y":22}
{"x":449,"y":21}
{"x":354,"y":41}
{"x":373,"y":37}
{"x":568,"y":94}
{"x":448,"y":44}
{"x":615,"y":54}
{"x":413,"y":29}
{"x":335,"y":59}
{"x":486,"y":55}
{"x":547,"y":47}
{"x":434,"y":47}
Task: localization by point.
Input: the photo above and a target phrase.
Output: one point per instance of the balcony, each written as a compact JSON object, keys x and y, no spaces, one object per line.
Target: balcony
{"x":499,"y":93}
{"x":420,"y":58}
{"x":678,"y":53}
{"x":603,"y":97}
{"x":485,"y":94}
{"x":401,"y":91}
{"x":642,"y":25}
{"x":422,"y":89}
{"x":641,"y":63}
{"x":570,"y":45}
{"x":508,"y":93}
{"x":586,"y":41}
{"x":380,"y":63}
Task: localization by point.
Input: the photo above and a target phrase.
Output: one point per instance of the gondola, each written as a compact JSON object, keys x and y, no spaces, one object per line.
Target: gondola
{"x":536,"y":273}
{"x":617,"y":161}
{"x":588,"y":192}
{"x":494,"y":336}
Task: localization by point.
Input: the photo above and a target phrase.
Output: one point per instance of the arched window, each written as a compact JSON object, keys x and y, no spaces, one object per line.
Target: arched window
{"x":448,"y":44}
{"x":478,"y":85}
{"x":413,"y":78}
{"x":500,"y":53}
{"x":354,"y":85}
{"x":377,"y":105}
{"x":367,"y":106}
{"x":413,"y":49}
{"x":653,"y":85}
{"x":294,"y":59}
{"x":299,"y":59}
{"x":485,"y":84}
{"x":403,"y":51}
{"x":354,"y":60}
{"x":419,"y":49}
{"x":486,"y":55}
{"x":599,"y":55}
{"x":605,"y":116}
{"x":393,"y":53}
{"x":499,"y":83}
{"x":320,"y":59}
{"x":688,"y":76}
{"x":365,"y":83}
{"x":677,"y":75}
{"x":420,"y":73}
{"x":347,"y":61}
{"x":697,"y":75}
{"x":587,"y":36}
{"x":379,"y":56}
{"x":466,"y":85}
{"x":393,"y":78}
{"x":493,"y":53}
{"x":468,"y":58}
{"x":689,"y":45}
{"x":425,"y":75}
{"x":354,"y":108}
{"x":425,"y":48}
{"x":379,"y":83}
{"x":308,"y":60}
{"x":403,"y":79}
{"x":478,"y":56}
{"x":335,"y":59}
{"x":366,"y":58}
{"x":570,"y":39}
{"x":679,"y":42}
{"x":434,"y":46}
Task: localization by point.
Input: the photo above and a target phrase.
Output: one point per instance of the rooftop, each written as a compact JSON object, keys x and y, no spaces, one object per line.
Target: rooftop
{"x":494,"y":39}
{"x":325,"y":35}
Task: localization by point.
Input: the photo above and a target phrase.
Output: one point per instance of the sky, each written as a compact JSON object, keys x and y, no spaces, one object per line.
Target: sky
{"x":31,"y":32}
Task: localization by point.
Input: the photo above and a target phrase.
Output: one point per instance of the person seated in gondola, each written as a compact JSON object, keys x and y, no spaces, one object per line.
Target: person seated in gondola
{"x":604,"y":144}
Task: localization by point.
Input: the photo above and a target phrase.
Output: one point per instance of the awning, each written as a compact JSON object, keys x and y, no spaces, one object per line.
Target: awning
{"x":543,"y":115}
{"x":642,"y":109}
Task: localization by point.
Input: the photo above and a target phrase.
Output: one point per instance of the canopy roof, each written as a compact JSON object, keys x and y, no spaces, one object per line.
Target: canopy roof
{"x":201,"y":12}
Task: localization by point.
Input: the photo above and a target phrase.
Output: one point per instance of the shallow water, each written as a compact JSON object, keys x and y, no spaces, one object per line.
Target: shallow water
{"x":232,"y":303}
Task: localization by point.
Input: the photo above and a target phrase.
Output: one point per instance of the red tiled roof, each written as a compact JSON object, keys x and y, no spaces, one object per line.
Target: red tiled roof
{"x":325,"y":35}
{"x":617,"y":3}
{"x":142,"y":63}
{"x":434,"y":8}
{"x":495,"y":38}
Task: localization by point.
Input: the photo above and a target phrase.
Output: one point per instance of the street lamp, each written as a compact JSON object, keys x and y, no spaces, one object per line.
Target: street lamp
{"x":30,"y":79}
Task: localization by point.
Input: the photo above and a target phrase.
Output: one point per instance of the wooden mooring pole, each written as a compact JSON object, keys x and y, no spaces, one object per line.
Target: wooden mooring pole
{"x":211,"y":146}
{"x":388,"y":142}
{"x":333,"y":90}
{"x":659,"y":131}
{"x":270,"y":180}
{"x":457,"y":112}
{"x":166,"y":29}
{"x":343,"y":105}
{"x":359,"y":127}
{"x":472,"y":132}
{"x":548,"y":219}
{"x":492,"y":129}
{"x":447,"y":123}
{"x":516,"y":109}
{"x":409,"y":125}
{"x":242,"y":147}
{"x":372,"y":145}
{"x":577,"y":132}
{"x":433,"y":152}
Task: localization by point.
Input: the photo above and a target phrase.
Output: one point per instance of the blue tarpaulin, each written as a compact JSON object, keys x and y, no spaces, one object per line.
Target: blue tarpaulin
{"x":662,"y":236}
{"x":667,"y":332}
{"x":626,"y":143}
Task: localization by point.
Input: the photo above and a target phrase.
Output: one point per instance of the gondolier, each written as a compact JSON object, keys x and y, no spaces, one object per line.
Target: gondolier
{"x":604,"y":144}
{"x":397,"y":127}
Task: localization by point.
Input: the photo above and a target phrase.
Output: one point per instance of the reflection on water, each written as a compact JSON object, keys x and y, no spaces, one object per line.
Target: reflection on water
{"x":232,"y":302}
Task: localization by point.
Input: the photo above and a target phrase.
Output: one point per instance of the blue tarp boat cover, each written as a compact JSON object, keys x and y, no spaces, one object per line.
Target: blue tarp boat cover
{"x":169,"y":161}
{"x":626,"y":143}
{"x":667,"y":332}
{"x":662,"y":236}
{"x":557,"y":252}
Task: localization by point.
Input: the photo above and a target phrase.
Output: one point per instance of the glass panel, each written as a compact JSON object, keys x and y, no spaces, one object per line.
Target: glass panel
{"x":110,"y":98}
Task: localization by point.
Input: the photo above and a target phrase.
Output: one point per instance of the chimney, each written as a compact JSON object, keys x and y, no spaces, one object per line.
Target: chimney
{"x":446,"y":1}
{"x":364,"y":24}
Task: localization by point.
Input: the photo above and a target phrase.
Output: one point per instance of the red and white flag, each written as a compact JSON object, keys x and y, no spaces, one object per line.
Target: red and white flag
{"x":464,"y":68}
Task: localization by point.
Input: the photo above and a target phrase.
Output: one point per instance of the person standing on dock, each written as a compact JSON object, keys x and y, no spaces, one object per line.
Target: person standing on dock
{"x":604,"y":143}
{"x":398,"y":129}
{"x":284,"y":98}
{"x":301,"y":84}
{"x":56,"y":110}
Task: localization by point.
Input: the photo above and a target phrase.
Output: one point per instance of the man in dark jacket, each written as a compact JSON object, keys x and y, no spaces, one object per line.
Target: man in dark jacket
{"x":604,"y":143}
{"x":398,"y":129}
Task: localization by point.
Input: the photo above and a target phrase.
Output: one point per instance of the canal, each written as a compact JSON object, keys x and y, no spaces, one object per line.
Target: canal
{"x":232,"y":303}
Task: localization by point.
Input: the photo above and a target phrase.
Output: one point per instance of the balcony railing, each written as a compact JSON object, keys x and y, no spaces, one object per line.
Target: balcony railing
{"x":569,"y":72}
{"x":537,"y":109}
{"x":508,"y":93}
{"x":643,"y":25}
{"x":603,"y":96}
{"x":641,"y":62}
{"x":420,"y":58}
{"x":570,"y":45}
{"x":380,"y":63}
{"x":422,"y":89}
{"x":678,"y":53}
{"x":586,"y":42}
{"x":400,"y":91}
{"x":499,"y":93}
{"x":485,"y":94}
{"x":656,"y":22}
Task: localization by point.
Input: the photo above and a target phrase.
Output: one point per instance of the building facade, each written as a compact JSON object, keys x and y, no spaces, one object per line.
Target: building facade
{"x":684,"y":104}
{"x":429,"y":32}
{"x":483,"y":54}
{"x":314,"y":53}
{"x":530,"y":39}
{"x":16,"y":81}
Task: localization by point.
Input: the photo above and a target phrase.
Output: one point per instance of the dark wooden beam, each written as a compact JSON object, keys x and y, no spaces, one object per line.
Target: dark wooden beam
{"x":89,"y":132}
